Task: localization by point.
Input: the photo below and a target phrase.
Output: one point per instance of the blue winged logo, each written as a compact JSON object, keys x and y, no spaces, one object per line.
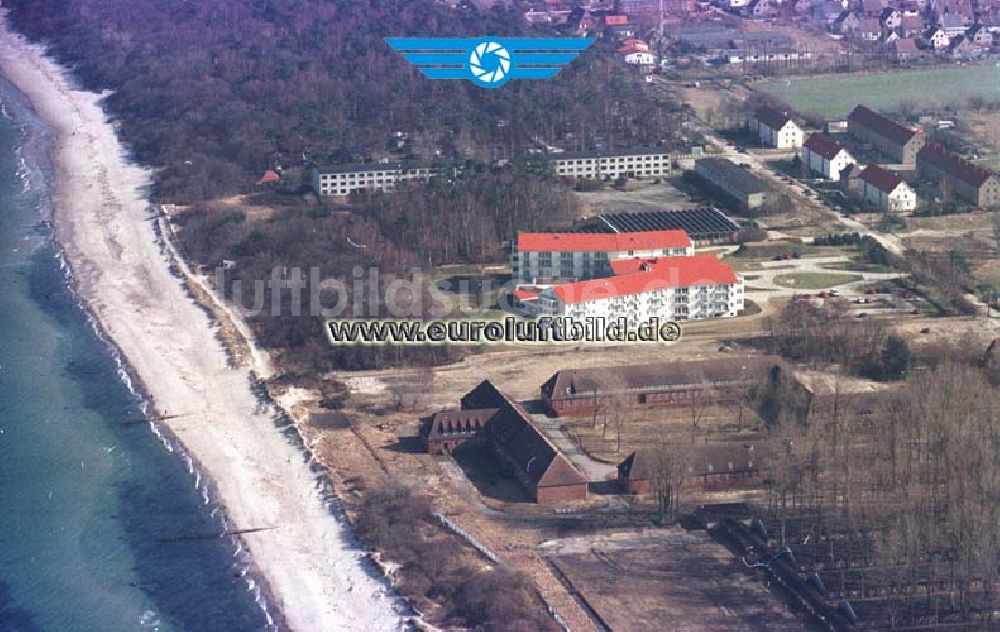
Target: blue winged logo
{"x":489,"y":62}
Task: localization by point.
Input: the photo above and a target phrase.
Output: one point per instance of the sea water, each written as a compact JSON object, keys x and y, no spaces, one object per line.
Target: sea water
{"x":105,"y":525}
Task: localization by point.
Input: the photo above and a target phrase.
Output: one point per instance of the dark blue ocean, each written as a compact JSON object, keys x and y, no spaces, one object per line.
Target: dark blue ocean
{"x":96,"y":511}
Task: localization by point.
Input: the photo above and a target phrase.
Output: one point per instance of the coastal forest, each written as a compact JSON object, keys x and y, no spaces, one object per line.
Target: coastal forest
{"x":215,"y":92}
{"x":211,"y":94}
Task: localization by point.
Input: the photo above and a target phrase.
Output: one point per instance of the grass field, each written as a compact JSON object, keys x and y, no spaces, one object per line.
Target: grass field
{"x":814,"y":280}
{"x":835,"y":97}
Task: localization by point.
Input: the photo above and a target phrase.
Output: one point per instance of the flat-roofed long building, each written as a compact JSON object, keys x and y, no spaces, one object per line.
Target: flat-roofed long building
{"x":346,"y":179}
{"x":705,"y":224}
{"x":886,"y":135}
{"x":747,"y":189}
{"x":968,"y":181}
{"x":613,"y":164}
{"x":665,"y":288}
{"x":538,"y":257}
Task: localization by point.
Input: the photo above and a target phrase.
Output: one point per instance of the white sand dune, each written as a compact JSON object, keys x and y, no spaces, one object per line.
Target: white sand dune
{"x":309,"y":562}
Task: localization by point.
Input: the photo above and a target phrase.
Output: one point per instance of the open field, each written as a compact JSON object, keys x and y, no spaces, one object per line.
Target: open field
{"x":815,"y":280}
{"x":641,"y":581}
{"x":646,"y":428}
{"x":835,"y":97}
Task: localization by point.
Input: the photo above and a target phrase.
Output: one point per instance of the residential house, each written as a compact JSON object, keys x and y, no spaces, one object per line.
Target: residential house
{"x":961,"y":47}
{"x":956,"y":175}
{"x":891,"y":18}
{"x":847,"y":22}
{"x":887,"y":190}
{"x":887,"y":136}
{"x":761,"y":9}
{"x":955,"y":24}
{"x":871,"y":29}
{"x":903,"y":50}
{"x":639,"y":58}
{"x":872,"y":8}
{"x":911,"y":26}
{"x":980,"y":36}
{"x":776,"y":128}
{"x":936,"y":38}
{"x":825,"y":156}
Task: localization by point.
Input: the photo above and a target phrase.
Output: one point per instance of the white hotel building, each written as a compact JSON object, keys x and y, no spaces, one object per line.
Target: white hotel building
{"x":611,"y":165}
{"x":668,"y":288}
{"x":541,"y":258}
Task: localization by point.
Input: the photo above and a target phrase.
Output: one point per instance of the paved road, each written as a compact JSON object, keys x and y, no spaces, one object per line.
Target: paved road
{"x":765,"y":278}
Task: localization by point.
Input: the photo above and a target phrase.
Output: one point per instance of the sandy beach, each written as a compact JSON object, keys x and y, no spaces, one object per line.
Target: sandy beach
{"x":314,"y":573}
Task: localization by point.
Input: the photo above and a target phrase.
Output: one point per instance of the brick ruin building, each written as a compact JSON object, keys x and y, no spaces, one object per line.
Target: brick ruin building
{"x":579,"y":392}
{"x":712,"y":466}
{"x":489,"y":415}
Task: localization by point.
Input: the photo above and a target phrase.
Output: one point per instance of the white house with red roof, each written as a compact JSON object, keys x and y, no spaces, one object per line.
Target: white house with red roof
{"x":887,"y":190}
{"x":825,"y":156}
{"x":776,"y":128}
{"x":642,"y":288}
{"x":545,"y":258}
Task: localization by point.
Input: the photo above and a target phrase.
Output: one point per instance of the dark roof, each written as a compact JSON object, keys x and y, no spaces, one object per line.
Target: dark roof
{"x":535,"y":458}
{"x":608,"y":153}
{"x":702,"y":460}
{"x":882,"y":125}
{"x":359,"y":167}
{"x":485,"y":395}
{"x":882,"y":179}
{"x":449,"y":423}
{"x":775,"y":119}
{"x":699,"y":223}
{"x":726,"y":458}
{"x":823,"y":145}
{"x":636,"y":467}
{"x":953,"y":164}
{"x":735,"y":174}
{"x":570,"y":383}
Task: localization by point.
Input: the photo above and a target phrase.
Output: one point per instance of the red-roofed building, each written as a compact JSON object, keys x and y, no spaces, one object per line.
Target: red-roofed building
{"x":549,"y":256}
{"x":886,"y":135}
{"x":615,"y":20}
{"x":823,"y":155}
{"x":967,"y":180}
{"x":523,"y":449}
{"x":887,"y":190}
{"x":270,"y":177}
{"x":776,"y":128}
{"x":667,"y":288}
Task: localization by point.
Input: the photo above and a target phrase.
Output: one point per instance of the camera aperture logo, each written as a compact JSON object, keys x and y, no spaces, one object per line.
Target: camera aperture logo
{"x":488,"y":61}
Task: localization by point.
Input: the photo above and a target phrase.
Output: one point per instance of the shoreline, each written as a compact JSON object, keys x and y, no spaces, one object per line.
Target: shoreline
{"x":309,"y":564}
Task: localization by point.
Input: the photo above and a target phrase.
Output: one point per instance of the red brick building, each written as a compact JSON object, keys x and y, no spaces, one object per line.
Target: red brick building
{"x":709,"y":467}
{"x":452,"y":428}
{"x":488,"y":414}
{"x":580,"y":392}
{"x":634,"y":473}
